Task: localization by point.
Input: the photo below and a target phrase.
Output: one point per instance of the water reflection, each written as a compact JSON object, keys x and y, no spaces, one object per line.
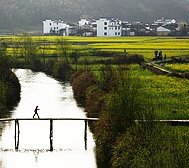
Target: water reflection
{"x":55,"y":99}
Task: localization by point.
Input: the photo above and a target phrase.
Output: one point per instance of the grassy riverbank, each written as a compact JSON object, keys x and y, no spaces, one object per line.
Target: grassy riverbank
{"x":120,"y":96}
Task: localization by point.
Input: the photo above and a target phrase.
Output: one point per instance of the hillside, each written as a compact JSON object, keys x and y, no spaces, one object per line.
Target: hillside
{"x":30,"y":14}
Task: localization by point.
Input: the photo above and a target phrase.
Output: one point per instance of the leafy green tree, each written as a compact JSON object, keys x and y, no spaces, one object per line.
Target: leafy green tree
{"x":4,"y":62}
{"x":9,"y":84}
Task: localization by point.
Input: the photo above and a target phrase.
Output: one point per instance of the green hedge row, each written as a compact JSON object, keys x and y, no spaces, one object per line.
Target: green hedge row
{"x":9,"y":91}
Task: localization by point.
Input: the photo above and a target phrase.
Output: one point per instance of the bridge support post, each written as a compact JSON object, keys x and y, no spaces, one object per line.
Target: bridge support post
{"x":85,"y":135}
{"x":51,"y":135}
{"x":17,"y":139}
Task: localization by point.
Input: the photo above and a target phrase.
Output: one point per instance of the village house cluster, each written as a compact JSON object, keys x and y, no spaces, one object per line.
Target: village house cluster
{"x":114,"y":27}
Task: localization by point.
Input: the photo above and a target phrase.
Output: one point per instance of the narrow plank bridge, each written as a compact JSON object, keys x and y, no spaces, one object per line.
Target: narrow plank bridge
{"x":17,"y":128}
{"x":86,"y":120}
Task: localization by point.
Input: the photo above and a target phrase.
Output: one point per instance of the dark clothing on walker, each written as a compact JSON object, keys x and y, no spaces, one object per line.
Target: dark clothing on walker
{"x":36,"y":112}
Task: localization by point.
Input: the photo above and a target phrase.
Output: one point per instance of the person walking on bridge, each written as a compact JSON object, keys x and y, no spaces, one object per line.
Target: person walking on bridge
{"x":36,"y":112}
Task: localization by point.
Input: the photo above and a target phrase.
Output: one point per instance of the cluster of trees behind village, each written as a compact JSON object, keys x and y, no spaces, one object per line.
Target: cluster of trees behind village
{"x":29,"y":14}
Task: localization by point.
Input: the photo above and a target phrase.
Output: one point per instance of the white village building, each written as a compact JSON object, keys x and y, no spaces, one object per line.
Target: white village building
{"x":108,"y":27}
{"x":86,"y":22}
{"x":164,"y":21}
{"x":162,"y":31}
{"x":83,"y":22}
{"x":55,"y":27}
{"x":87,"y":27}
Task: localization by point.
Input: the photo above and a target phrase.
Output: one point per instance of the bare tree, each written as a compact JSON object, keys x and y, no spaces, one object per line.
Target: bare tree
{"x":75,"y":57}
{"x":28,"y":48}
{"x":16,"y":47}
{"x":64,"y":48}
{"x":43,"y":50}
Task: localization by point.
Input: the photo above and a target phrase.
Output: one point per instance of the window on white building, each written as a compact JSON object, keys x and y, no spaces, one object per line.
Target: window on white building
{"x":116,"y":28}
{"x":116,"y":33}
{"x":105,"y":23}
{"x":105,"y":33}
{"x":105,"y":28}
{"x":50,"y":23}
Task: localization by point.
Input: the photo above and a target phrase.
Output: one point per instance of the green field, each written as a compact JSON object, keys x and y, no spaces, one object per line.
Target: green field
{"x":171,"y":46}
{"x":169,"y":95}
{"x":147,"y":45}
{"x":178,"y":67}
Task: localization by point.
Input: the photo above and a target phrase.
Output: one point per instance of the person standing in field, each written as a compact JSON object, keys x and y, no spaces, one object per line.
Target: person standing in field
{"x":156,"y":54}
{"x":160,"y":55}
{"x":36,"y":112}
{"x":165,"y":57}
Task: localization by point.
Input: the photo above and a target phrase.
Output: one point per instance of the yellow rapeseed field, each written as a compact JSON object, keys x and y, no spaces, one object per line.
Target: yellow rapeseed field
{"x":171,"y":46}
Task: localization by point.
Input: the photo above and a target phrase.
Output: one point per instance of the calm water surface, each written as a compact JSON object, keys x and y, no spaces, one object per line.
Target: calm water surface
{"x":55,"y":99}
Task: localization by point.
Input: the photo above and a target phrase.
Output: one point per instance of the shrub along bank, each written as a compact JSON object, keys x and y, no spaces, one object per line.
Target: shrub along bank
{"x":58,"y":69}
{"x":116,"y":99}
{"x":9,"y":84}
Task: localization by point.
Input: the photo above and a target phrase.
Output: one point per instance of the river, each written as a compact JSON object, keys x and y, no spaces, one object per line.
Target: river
{"x":55,"y":99}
